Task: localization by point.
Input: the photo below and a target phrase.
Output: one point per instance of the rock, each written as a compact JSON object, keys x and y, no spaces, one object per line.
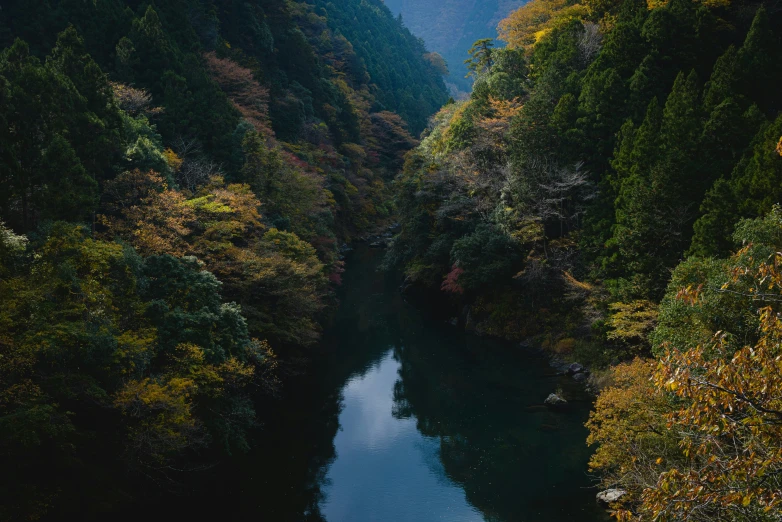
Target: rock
{"x":377,"y":244}
{"x":554,"y":400}
{"x":580,"y":377}
{"x":575,"y":368}
{"x":453,"y":321}
{"x":558,"y":365}
{"x":610,"y":496}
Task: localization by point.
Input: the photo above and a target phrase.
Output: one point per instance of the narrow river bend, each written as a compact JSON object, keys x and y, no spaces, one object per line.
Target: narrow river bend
{"x":404,"y":419}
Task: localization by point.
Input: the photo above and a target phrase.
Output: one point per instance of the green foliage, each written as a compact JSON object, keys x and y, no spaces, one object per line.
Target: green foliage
{"x":486,"y":255}
{"x":89,"y":327}
{"x":61,"y":136}
{"x":749,"y":191}
{"x":237,"y":145}
{"x":480,"y":60}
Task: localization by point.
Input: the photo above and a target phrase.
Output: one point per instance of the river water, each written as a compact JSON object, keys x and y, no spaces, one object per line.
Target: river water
{"x":403,"y":418}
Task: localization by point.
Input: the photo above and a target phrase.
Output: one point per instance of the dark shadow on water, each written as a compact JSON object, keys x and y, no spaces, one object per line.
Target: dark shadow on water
{"x":403,"y":418}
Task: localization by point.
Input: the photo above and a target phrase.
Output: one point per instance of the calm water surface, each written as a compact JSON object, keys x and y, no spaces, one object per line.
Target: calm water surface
{"x":403,"y":418}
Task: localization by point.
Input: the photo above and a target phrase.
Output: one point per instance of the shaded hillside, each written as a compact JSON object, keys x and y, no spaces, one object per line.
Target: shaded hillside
{"x":450,"y":27}
{"x":177,"y":180}
{"x":611,"y":192}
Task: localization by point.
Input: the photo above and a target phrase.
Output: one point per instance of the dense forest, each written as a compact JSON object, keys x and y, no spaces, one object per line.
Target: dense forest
{"x":609,"y":193}
{"x":177,"y":181}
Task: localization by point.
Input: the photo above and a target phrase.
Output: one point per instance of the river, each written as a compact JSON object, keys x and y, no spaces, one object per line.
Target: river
{"x":402,"y":418}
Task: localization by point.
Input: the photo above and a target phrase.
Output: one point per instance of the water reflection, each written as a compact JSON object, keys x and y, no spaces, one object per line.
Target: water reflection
{"x":398,"y":420}
{"x":385,"y":469}
{"x":444,"y":426}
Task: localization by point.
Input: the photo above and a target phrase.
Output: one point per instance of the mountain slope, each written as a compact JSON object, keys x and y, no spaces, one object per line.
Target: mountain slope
{"x":450,"y":27}
{"x":177,"y":179}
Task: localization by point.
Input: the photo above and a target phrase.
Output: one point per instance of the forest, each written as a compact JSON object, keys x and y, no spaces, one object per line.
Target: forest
{"x":178,"y":179}
{"x":609,"y":193}
{"x":449,"y":27}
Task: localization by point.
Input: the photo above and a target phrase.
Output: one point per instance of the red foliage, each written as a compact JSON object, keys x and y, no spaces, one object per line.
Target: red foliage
{"x":249,"y":97}
{"x":451,"y":283}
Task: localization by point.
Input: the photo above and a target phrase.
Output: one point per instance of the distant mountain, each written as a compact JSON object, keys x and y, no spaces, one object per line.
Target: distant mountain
{"x":450,"y":27}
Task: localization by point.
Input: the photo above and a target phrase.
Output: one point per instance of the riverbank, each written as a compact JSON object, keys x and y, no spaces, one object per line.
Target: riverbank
{"x":400,"y":417}
{"x":561,"y":329}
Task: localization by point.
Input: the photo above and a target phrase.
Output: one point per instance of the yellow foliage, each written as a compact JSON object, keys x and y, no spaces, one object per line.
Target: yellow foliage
{"x":527,"y":25}
{"x":161,"y":416}
{"x":141,"y":209}
{"x":632,"y":322}
{"x":711,"y":4}
{"x":565,"y":345}
{"x":629,"y":426}
{"x":730,"y":406}
{"x":174,"y":161}
{"x":576,"y":284}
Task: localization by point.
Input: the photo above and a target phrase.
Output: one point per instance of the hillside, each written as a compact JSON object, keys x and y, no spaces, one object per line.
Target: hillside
{"x":450,"y":27}
{"x":610,"y":192}
{"x":178,"y":180}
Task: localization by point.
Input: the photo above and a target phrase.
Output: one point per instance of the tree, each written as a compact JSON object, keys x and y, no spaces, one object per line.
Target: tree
{"x":437,"y":62}
{"x":699,"y":437}
{"x":628,"y":426}
{"x":654,"y":210}
{"x":486,"y":256}
{"x":749,"y":192}
{"x":63,"y":133}
{"x":480,"y":60}
{"x":531,"y":22}
{"x":729,"y":405}
{"x":141,"y":208}
{"x":245,"y":93}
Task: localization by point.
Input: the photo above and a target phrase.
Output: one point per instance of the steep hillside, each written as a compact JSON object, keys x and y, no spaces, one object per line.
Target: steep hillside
{"x":406,"y":83}
{"x":177,"y":180}
{"x":450,"y":27}
{"x":610,"y":192}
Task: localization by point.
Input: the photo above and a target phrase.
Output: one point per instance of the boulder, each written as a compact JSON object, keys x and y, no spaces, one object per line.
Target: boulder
{"x":610,"y":496}
{"x":554,"y":400}
{"x":575,"y":368}
{"x":580,"y":377}
{"x":378,"y":244}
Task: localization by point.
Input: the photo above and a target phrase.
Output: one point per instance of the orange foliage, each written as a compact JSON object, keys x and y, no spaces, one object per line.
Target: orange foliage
{"x":525,"y":26}
{"x":698,"y":437}
{"x":437,"y":62}
{"x":628,"y":424}
{"x":249,"y":97}
{"x":142,"y":209}
{"x":730,"y":420}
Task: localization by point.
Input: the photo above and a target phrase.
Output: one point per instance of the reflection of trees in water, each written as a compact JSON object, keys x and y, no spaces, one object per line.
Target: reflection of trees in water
{"x":490,"y":443}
